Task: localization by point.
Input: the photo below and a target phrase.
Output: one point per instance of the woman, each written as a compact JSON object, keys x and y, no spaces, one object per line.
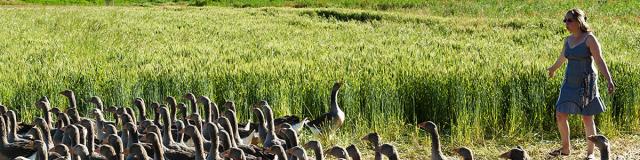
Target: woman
{"x":579,"y":92}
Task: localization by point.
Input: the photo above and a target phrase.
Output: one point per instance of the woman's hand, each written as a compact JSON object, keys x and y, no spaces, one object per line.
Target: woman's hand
{"x":552,"y":72}
{"x":611,"y":87}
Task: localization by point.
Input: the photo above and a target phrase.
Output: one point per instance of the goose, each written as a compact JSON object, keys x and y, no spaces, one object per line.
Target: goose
{"x":231,"y":116}
{"x":193,"y":132}
{"x":59,"y":152}
{"x":374,"y":142}
{"x":173,"y":107}
{"x":97,"y":101}
{"x":13,"y":150}
{"x":137,"y":152}
{"x":130,"y":112}
{"x":183,"y":110}
{"x":72,"y":111}
{"x":338,"y":152}
{"x":109,"y":129}
{"x":298,"y":152}
{"x":160,"y":152}
{"x":436,"y":151}
{"x":353,"y":152}
{"x":46,"y":134}
{"x":45,"y":106}
{"x":334,"y":118}
{"x":389,"y":151}
{"x":192,"y":101}
{"x":133,"y":138}
{"x":290,"y":119}
{"x":84,"y":153}
{"x":465,"y":152}
{"x":214,"y":141}
{"x":41,"y":150}
{"x":225,"y":140}
{"x":12,"y":126}
{"x":602,"y":143}
{"x":155,"y":106}
{"x":316,"y":147}
{"x":116,"y":142}
{"x":271,"y":138}
{"x":226,"y":126}
{"x":167,"y":138}
{"x":515,"y":154}
{"x":234,"y":153}
{"x":211,"y":111}
{"x":71,"y":136}
{"x":142,"y":111}
{"x":107,"y":151}
{"x":90,"y":138}
{"x":101,"y":123}
{"x":290,"y":136}
{"x":278,"y":151}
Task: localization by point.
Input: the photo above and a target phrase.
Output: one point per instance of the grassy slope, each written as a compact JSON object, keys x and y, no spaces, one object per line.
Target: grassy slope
{"x":123,"y":52}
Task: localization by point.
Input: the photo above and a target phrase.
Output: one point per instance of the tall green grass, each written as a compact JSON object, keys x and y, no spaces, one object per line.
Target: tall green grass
{"x":480,"y":75}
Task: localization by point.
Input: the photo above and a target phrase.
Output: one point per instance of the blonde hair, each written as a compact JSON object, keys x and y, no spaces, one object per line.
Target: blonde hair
{"x":581,"y":17}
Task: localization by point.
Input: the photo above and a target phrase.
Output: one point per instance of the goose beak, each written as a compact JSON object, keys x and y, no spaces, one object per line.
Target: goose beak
{"x":226,"y":153}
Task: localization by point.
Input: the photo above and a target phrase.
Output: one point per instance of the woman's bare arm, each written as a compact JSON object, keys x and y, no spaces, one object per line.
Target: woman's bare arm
{"x":561,"y":59}
{"x":594,"y":47}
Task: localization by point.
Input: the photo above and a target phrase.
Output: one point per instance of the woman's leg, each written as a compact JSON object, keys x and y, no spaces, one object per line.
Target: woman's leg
{"x":563,"y":126}
{"x":589,"y":129}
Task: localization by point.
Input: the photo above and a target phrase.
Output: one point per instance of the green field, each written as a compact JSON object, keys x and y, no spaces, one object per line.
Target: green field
{"x":476,"y":69}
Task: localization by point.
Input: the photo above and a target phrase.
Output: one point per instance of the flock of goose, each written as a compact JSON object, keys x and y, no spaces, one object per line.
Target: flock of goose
{"x":173,"y":136}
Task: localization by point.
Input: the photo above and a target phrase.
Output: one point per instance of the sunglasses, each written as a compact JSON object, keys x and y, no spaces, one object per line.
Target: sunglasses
{"x":568,"y":20}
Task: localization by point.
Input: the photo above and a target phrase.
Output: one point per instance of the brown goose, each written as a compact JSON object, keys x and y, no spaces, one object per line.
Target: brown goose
{"x":602,"y":143}
{"x":173,"y":104}
{"x":193,"y":132}
{"x":261,"y":127}
{"x":297,"y":124}
{"x":353,"y":152}
{"x":97,"y":102}
{"x":71,"y":136}
{"x":12,"y":126}
{"x":231,"y":116}
{"x":82,"y":151}
{"x":46,"y":134}
{"x":374,"y":142}
{"x":234,"y":154}
{"x":90,"y":138}
{"x":107,"y":151}
{"x":334,"y":118}
{"x":72,"y":111}
{"x":167,"y":137}
{"x":290,"y":136}
{"x":155,"y":106}
{"x":142,"y":109}
{"x":41,"y":150}
{"x":389,"y":151}
{"x":226,"y":126}
{"x":337,"y":152}
{"x":278,"y":151}
{"x":133,"y":138}
{"x":192,"y":101}
{"x":436,"y":151}
{"x":114,"y":141}
{"x":137,"y":152}
{"x":45,"y":106}
{"x":13,"y":150}
{"x":214,"y":141}
{"x":298,"y":152}
{"x":465,"y":152}
{"x":60,"y":152}
{"x":101,"y":123}
{"x":160,"y":152}
{"x":183,"y":110}
{"x":515,"y":154}
{"x":271,"y":138}
{"x":317,"y":149}
{"x":211,"y":111}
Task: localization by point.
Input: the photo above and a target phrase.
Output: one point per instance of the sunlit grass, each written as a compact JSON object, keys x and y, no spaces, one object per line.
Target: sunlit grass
{"x":482,"y":78}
